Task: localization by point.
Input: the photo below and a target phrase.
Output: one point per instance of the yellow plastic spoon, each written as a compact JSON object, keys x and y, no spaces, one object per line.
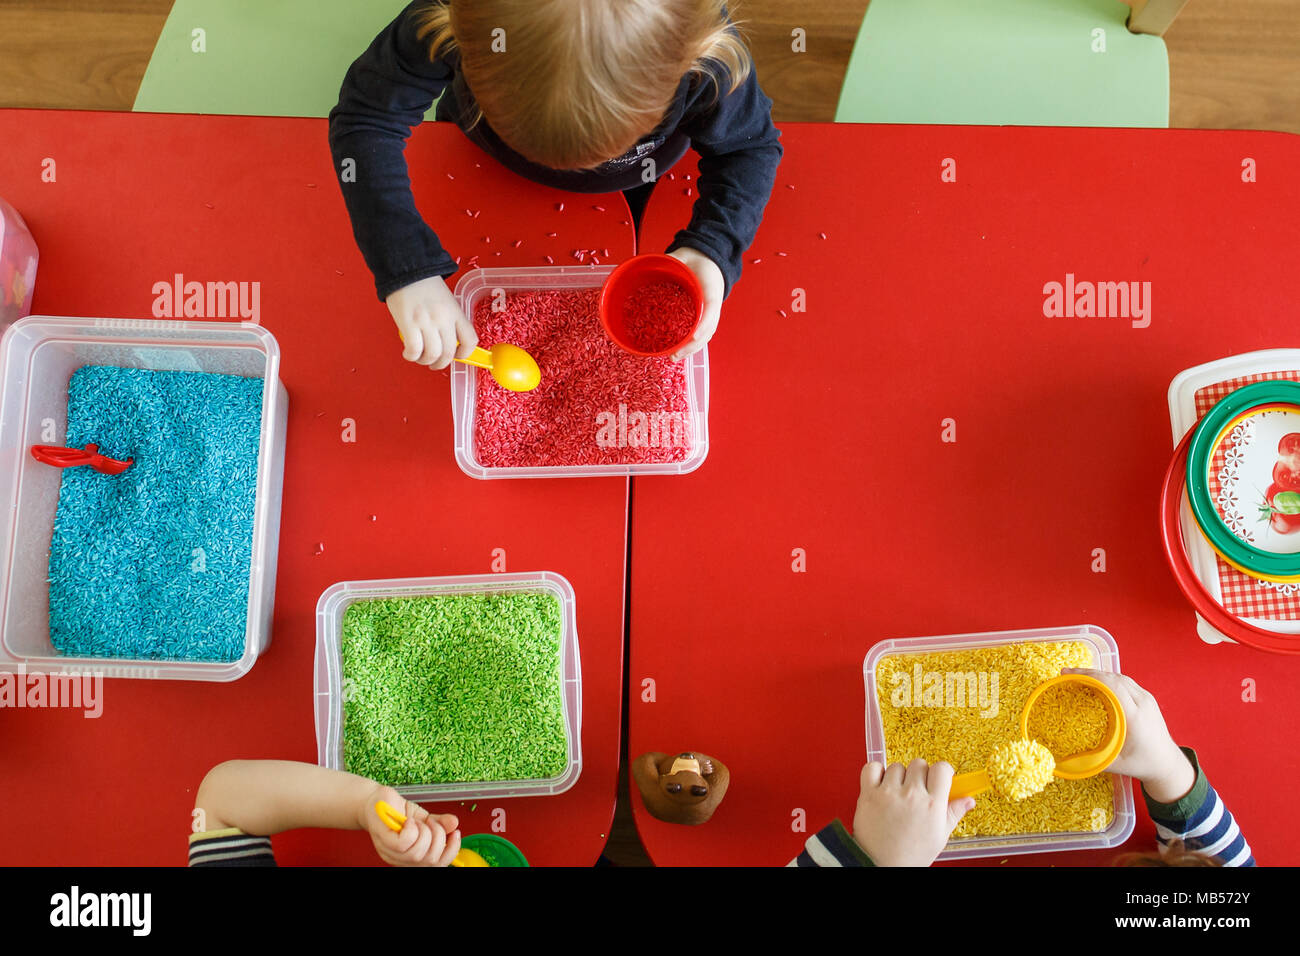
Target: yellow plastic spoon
{"x":511,"y":366}
{"x":1075,"y":767}
{"x":393,"y":820}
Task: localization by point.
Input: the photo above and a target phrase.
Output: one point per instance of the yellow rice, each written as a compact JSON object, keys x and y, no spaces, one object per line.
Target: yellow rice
{"x":959,"y":735}
{"x":1021,"y":768}
{"x":1069,"y":719}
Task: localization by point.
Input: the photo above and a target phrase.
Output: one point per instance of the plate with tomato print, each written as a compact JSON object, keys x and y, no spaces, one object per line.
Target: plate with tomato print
{"x":1273,"y":603}
{"x":1244,"y":513}
{"x":1256,"y":461}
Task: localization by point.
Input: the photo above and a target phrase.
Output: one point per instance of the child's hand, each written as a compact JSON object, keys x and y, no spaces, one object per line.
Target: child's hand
{"x":425,"y":839}
{"x":903,"y":816}
{"x":1149,"y":753}
{"x":431,"y":323}
{"x":711,"y":281}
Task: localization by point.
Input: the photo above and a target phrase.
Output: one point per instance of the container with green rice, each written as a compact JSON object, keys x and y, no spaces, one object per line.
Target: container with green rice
{"x":960,"y":698}
{"x":451,"y":688}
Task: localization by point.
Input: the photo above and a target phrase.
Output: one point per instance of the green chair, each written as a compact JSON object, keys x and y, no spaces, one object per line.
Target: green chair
{"x":261,"y":57}
{"x":1004,"y":62}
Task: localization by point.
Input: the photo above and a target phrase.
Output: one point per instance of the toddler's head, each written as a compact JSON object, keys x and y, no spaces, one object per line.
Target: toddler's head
{"x":571,"y":84}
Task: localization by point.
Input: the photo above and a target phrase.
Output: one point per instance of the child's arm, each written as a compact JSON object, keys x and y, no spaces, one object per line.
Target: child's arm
{"x":740,"y":150}
{"x":832,"y":845}
{"x":270,"y":796}
{"x":263,"y":797}
{"x":385,"y":95}
{"x":1179,"y":798}
{"x":1198,"y":818}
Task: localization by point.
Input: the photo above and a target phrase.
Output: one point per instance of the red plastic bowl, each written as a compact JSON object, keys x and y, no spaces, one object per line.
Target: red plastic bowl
{"x":1227,"y":624}
{"x":632,"y":275}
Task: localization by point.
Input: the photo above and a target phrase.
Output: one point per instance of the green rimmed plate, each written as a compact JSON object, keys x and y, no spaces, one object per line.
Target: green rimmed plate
{"x":497,"y":851}
{"x":1250,"y":443}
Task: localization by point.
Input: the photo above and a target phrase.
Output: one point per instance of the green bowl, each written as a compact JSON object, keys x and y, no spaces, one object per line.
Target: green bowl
{"x":498,"y":851}
{"x":1207,"y":516}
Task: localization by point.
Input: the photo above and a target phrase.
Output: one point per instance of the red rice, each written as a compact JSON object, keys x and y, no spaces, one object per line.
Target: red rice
{"x":583,"y":374}
{"x":658,"y":315}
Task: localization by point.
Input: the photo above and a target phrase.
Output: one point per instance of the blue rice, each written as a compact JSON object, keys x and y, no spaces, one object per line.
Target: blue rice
{"x":154,"y":563}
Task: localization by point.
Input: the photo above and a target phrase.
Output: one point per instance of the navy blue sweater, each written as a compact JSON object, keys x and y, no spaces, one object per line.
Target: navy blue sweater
{"x":390,"y":87}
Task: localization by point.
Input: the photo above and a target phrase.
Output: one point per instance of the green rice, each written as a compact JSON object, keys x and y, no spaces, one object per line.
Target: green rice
{"x":490,"y":856}
{"x":455,"y":688}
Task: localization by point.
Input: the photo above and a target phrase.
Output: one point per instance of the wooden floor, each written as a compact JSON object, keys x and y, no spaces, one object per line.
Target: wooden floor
{"x":1233,"y":64}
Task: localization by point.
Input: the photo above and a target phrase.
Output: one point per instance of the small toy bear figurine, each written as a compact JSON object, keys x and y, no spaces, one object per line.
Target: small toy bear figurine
{"x":681,"y":788}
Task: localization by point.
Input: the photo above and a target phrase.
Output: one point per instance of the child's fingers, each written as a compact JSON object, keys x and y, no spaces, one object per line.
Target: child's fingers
{"x":450,"y":850}
{"x":1121,"y":686}
{"x":894,"y":775}
{"x":448,"y":821}
{"x":416,"y":811}
{"x":939,"y":780}
{"x":703,"y":333}
{"x":467,"y":337}
{"x":434,"y":346}
{"x":690,"y":348}
{"x":437,"y":843}
{"x":871,"y":775}
{"x":958,"y":809}
{"x":420,"y":848}
{"x":422,"y":330}
{"x":707,"y":327}
{"x":412,"y":339}
{"x":917,"y":771}
{"x":446,"y":344}
{"x":408,"y":836}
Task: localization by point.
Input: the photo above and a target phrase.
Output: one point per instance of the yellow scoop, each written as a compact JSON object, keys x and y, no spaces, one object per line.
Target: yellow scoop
{"x":1074,"y":767}
{"x":511,"y":366}
{"x":393,"y":820}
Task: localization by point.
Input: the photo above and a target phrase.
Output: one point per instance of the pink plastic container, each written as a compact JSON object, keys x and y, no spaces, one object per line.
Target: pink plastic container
{"x":17,"y":266}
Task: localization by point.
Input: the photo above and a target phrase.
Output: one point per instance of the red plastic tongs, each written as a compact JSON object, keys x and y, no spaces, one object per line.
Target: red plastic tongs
{"x":61,"y":457}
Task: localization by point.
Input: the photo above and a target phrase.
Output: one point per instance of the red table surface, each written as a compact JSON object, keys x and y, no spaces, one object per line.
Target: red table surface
{"x":925,"y":302}
{"x":141,"y":197}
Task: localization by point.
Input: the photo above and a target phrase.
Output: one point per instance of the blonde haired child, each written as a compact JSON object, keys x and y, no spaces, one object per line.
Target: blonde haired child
{"x":582,"y":95}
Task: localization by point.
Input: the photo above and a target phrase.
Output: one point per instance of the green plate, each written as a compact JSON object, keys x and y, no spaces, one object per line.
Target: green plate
{"x":1211,"y":523}
{"x":498,"y":851}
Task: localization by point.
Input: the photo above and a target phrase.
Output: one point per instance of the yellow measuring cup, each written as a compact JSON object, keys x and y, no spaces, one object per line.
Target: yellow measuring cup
{"x":511,"y":366}
{"x":392,"y":819}
{"x":1073,"y":767}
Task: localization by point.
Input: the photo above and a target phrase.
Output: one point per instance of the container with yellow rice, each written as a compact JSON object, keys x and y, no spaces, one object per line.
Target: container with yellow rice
{"x":961,"y":701}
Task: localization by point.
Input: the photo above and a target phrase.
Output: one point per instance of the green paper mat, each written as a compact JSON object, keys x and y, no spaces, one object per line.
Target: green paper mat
{"x":1004,"y":62}
{"x":263,"y":57}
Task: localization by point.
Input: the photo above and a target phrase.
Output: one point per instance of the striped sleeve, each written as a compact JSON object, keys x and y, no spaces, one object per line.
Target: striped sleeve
{"x":230,"y":847}
{"x":1201,"y":821}
{"x":832,"y":846}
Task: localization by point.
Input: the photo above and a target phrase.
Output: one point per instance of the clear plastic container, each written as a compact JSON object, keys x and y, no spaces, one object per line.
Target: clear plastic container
{"x":37,"y":358}
{"x":329,"y":688}
{"x":1182,"y":416}
{"x":18,"y":259}
{"x":1105,"y":654}
{"x":476,"y":284}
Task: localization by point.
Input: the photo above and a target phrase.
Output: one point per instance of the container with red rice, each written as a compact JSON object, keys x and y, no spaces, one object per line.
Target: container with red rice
{"x":598,"y":410}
